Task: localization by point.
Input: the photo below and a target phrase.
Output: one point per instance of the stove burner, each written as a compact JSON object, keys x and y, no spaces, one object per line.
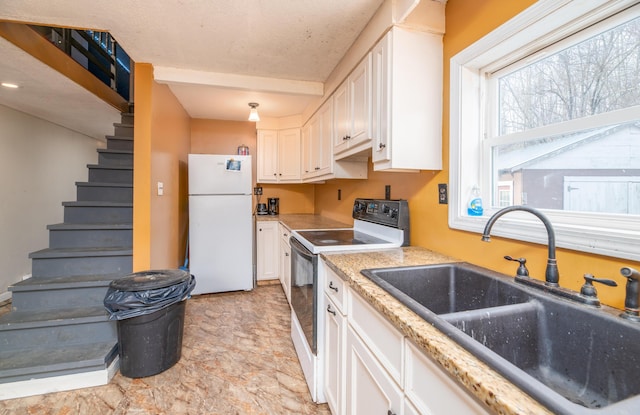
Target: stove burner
{"x":328,"y":241}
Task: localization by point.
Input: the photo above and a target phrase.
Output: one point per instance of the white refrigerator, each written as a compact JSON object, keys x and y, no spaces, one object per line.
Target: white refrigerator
{"x":220,"y":223}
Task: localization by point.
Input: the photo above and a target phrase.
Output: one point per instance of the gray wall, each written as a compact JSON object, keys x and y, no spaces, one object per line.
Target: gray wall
{"x":39,"y":165}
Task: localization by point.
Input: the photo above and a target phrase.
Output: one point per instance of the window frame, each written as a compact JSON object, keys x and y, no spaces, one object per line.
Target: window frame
{"x":547,"y":21}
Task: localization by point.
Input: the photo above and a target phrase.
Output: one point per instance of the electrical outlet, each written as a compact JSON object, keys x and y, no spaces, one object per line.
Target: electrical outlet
{"x":257,"y":190}
{"x":442,"y":194}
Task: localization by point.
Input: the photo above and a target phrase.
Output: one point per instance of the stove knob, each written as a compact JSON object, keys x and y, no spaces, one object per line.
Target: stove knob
{"x":394,"y":213}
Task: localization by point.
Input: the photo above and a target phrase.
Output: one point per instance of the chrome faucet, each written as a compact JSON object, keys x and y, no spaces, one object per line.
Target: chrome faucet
{"x":551,"y":275}
{"x":632,"y":298}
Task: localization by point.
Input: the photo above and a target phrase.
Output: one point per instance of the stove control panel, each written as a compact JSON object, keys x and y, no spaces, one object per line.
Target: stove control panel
{"x":394,"y":213}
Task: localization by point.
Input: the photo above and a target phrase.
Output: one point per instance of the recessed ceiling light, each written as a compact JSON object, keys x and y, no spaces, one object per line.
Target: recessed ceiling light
{"x":9,"y":85}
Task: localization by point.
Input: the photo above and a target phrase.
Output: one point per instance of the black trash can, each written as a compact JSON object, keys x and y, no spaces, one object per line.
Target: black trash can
{"x":149,"y":307}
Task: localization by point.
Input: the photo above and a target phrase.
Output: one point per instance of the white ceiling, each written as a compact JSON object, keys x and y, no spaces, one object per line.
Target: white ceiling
{"x":216,"y":55}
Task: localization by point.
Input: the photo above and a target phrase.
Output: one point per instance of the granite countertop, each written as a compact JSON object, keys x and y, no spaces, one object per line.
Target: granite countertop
{"x":300,"y":221}
{"x":498,"y":394}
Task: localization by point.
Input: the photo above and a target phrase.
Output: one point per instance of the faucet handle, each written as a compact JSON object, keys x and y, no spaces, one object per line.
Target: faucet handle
{"x":522,"y":269}
{"x":590,"y":292}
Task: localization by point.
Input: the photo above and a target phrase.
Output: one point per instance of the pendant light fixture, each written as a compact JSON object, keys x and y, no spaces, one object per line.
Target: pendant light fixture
{"x":253,"y":114}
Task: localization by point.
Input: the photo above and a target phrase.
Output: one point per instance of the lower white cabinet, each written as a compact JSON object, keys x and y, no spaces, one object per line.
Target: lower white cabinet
{"x":431,"y":390}
{"x":334,"y":365}
{"x":285,"y":261}
{"x":370,"y":389}
{"x":371,"y":368}
{"x":267,"y":247}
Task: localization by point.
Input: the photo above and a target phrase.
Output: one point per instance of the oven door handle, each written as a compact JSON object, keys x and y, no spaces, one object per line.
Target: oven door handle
{"x":300,"y":249}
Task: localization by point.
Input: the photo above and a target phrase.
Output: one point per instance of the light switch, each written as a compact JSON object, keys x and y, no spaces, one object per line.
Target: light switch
{"x":160,"y":188}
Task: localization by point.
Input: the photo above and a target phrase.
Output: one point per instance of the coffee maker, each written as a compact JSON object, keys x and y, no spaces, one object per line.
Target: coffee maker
{"x":261,"y":209}
{"x":273,"y":205}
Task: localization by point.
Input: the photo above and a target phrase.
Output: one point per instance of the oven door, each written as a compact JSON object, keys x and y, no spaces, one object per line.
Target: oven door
{"x":304,"y":290}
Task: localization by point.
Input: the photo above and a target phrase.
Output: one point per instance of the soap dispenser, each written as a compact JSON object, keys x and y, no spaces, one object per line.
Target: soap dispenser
{"x":474,"y":206}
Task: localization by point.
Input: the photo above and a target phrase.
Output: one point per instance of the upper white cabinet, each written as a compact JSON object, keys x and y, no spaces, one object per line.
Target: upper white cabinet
{"x":317,"y":150}
{"x":317,"y":138}
{"x":406,"y":100}
{"x":279,"y":156}
{"x":352,"y":112}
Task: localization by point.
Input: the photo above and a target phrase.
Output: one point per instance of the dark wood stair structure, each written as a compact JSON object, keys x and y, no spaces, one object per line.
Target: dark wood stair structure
{"x":58,"y":335}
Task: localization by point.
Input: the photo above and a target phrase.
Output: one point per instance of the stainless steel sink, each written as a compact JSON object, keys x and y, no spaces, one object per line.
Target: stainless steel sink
{"x":572,"y":358}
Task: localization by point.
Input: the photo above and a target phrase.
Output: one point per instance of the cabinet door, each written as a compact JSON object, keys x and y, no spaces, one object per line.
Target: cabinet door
{"x":325,"y":141}
{"x":285,"y":268}
{"x":380,"y":87}
{"x":370,"y":390}
{"x":289,"y":155}
{"x":267,"y":165}
{"x":267,"y":249}
{"x":334,"y":342}
{"x":432,"y":390}
{"x":341,"y":119}
{"x":315,"y":146}
{"x":307,"y":150}
{"x":360,"y":102}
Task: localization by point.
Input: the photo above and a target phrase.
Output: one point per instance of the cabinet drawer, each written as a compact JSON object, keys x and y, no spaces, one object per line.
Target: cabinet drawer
{"x":335,"y":288}
{"x":384,"y":340}
{"x":432,"y":390}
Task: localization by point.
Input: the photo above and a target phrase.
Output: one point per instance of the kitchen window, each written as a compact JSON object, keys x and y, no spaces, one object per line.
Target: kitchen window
{"x":545,"y":111}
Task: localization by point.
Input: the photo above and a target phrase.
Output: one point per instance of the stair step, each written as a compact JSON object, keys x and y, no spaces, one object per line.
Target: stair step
{"x":20,"y":330}
{"x":20,"y":365}
{"x":57,"y":262}
{"x":98,"y":212}
{"x":119,"y":143}
{"x":110,"y":174}
{"x":111,"y":157}
{"x":113,"y":192}
{"x":124,"y":130}
{"x":95,"y":235}
{"x":126,"y":118}
{"x":60,"y":292}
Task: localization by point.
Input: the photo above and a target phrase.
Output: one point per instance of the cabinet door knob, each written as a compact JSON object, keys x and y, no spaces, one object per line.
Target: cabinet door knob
{"x":381,"y":146}
{"x":329,"y":310}
{"x":390,"y":412}
{"x":333,"y":287}
{"x":286,"y":254}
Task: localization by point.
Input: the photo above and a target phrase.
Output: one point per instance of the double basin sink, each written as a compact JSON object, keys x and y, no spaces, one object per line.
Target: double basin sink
{"x":571,"y":358}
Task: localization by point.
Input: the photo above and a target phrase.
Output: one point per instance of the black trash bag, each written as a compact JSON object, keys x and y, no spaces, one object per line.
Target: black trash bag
{"x":146,"y":292}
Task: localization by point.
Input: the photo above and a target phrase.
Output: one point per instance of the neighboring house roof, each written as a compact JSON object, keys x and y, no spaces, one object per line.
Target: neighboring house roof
{"x":604,"y":148}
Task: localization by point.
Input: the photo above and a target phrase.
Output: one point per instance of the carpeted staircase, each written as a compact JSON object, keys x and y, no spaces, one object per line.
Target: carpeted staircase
{"x":58,"y":336}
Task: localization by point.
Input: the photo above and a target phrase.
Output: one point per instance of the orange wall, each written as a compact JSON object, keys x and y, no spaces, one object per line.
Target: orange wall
{"x":466,"y":22}
{"x":224,"y":137}
{"x":143,"y":85}
{"x":161,"y":146}
{"x":169,"y":150}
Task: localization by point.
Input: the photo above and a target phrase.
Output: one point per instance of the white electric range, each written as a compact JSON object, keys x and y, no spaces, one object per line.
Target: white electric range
{"x":378,"y":224}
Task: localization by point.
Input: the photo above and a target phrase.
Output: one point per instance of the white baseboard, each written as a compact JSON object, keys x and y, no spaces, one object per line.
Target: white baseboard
{"x":34,"y":387}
